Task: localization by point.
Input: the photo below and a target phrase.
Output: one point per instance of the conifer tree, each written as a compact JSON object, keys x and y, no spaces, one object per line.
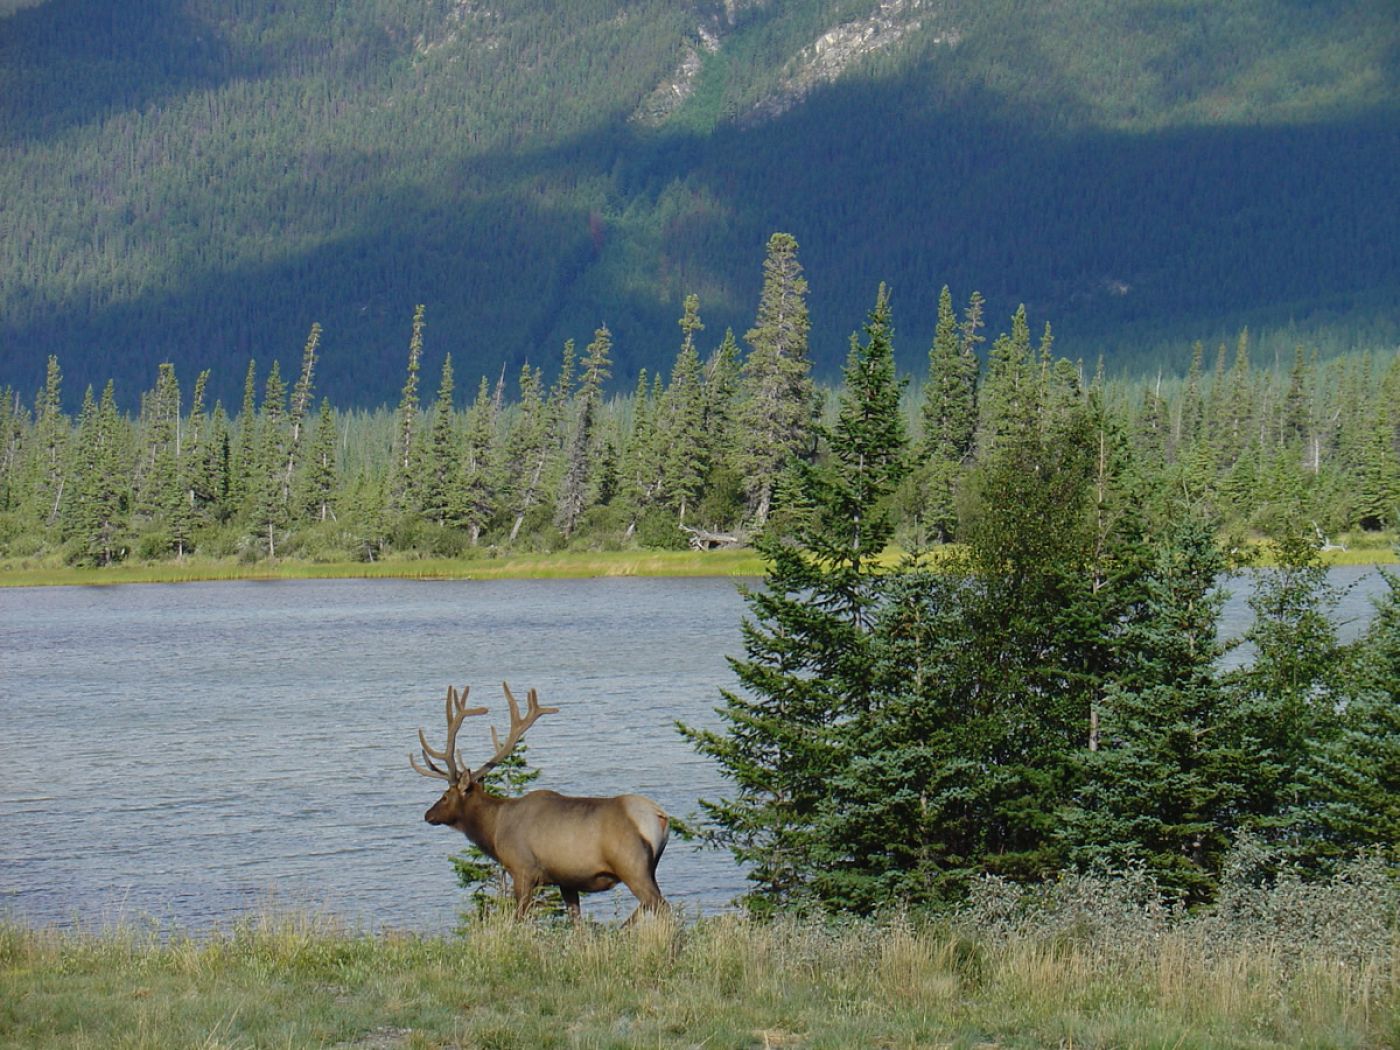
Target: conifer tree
{"x":778,"y":406}
{"x":581,"y":451}
{"x":1351,"y":784}
{"x":480,"y":481}
{"x":440,"y":474}
{"x":320,"y":479}
{"x":268,"y":511}
{"x":809,"y":668}
{"x":402,"y":480}
{"x":949,"y":412}
{"x":301,"y":403}
{"x":528,"y":448}
{"x":680,"y":437}
{"x":50,"y":447}
{"x":245,"y":448}
{"x":1282,"y":710}
{"x":1158,"y":789}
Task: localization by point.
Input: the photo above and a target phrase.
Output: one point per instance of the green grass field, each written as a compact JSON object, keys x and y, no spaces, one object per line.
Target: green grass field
{"x":718,"y":983}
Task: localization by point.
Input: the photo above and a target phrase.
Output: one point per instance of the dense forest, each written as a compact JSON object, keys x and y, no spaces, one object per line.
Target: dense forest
{"x":1050,"y":696}
{"x":197,"y":183}
{"x":696,"y":454}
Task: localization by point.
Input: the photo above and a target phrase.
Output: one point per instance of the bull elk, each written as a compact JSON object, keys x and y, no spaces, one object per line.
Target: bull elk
{"x":543,"y":838}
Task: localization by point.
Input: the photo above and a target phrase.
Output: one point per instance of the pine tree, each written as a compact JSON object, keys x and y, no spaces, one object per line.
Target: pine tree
{"x":1282,"y":711}
{"x":320,"y":480}
{"x":301,"y":403}
{"x":581,"y":451}
{"x":681,"y":421}
{"x":1351,"y":784}
{"x":480,"y":481}
{"x":268,"y":510}
{"x":440,"y":474}
{"x":50,"y":447}
{"x":528,"y":448}
{"x":809,"y":665}
{"x":244,"y":451}
{"x":949,"y":413}
{"x":1157,"y":789}
{"x":402,"y":494}
{"x":778,"y":406}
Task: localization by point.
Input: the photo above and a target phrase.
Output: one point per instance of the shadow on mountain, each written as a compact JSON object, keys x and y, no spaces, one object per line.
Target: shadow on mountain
{"x":1124,"y":241}
{"x":59,"y":70}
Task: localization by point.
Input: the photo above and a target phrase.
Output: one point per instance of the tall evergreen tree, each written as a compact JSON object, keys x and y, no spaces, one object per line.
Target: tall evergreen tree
{"x":582,"y":448}
{"x":1157,"y":791}
{"x":778,"y":406}
{"x":440,"y":472}
{"x":949,"y":412}
{"x":480,"y":477}
{"x":402,"y":494}
{"x":809,"y":668}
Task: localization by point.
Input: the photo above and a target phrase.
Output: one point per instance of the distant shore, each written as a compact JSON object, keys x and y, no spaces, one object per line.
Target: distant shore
{"x":562,"y":565}
{"x":556,"y":566}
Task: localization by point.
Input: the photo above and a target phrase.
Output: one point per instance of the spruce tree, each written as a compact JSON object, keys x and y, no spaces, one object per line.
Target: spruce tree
{"x":809,"y":667}
{"x":1351,"y":784}
{"x":681,"y":420}
{"x":480,"y":481}
{"x":403,"y":483}
{"x":949,"y":414}
{"x":580,"y":455}
{"x":320,"y":479}
{"x":778,"y":407}
{"x":1157,"y":787}
{"x":440,"y":472}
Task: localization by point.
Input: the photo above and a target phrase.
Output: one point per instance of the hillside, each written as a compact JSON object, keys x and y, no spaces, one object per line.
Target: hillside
{"x":198,"y":182}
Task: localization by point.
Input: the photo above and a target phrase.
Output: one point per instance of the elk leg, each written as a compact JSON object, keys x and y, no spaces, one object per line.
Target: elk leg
{"x":524,"y":895}
{"x":571,"y":902}
{"x":648,"y":895}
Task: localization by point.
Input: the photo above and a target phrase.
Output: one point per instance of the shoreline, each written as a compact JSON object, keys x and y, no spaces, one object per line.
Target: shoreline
{"x":562,"y":565}
{"x":742,"y":562}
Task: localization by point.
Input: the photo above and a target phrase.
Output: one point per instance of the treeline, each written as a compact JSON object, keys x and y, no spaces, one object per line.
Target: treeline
{"x":1049,"y":694}
{"x":695,"y":456}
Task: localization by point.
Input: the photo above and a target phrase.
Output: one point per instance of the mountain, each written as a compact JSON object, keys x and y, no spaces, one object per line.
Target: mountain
{"x":199,"y":180}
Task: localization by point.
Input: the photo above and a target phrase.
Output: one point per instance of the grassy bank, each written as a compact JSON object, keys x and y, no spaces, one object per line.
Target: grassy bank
{"x":721,"y":983}
{"x":560,"y":565}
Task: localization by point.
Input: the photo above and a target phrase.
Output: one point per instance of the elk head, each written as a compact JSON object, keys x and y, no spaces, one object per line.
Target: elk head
{"x":462,"y":781}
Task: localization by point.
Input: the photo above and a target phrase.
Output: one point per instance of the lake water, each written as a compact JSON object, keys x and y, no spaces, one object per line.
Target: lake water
{"x":191,"y":753}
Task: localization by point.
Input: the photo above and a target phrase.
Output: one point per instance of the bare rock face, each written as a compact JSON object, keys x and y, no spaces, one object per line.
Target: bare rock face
{"x":824,"y":60}
{"x":836,"y":50}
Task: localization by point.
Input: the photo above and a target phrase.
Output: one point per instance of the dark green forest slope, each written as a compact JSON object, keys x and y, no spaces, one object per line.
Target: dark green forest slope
{"x":198,"y":182}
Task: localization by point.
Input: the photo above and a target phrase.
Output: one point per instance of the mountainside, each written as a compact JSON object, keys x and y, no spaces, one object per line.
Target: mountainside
{"x":199,"y":181}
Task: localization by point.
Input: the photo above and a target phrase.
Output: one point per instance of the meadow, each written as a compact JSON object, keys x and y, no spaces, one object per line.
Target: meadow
{"x":1085,"y":962}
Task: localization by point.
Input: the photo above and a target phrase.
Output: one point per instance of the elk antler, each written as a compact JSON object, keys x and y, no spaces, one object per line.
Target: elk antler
{"x":518,"y":725}
{"x":457,"y":712}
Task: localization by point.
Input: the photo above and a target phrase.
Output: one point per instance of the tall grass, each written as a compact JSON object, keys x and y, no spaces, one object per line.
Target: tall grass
{"x":1085,"y":962}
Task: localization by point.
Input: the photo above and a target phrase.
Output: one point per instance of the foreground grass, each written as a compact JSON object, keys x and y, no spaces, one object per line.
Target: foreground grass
{"x":722,"y":982}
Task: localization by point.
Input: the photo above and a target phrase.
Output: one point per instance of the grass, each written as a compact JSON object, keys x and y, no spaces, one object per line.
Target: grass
{"x":562,"y":565}
{"x":721,"y":982}
{"x":1360,"y":550}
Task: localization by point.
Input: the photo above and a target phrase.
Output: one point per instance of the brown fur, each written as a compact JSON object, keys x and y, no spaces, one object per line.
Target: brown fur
{"x":581,"y":845}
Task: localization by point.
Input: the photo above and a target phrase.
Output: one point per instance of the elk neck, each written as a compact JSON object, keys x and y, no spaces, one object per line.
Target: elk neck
{"x":475,"y":814}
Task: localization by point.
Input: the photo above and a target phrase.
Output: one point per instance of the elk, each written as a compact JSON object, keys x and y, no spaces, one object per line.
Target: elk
{"x":543,"y":838}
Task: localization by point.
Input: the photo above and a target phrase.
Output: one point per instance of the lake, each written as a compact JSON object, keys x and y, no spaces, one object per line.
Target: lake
{"x":192,"y":753}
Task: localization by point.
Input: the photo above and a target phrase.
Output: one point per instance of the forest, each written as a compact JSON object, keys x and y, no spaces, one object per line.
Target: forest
{"x":197,"y":183}
{"x":693,"y":456}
